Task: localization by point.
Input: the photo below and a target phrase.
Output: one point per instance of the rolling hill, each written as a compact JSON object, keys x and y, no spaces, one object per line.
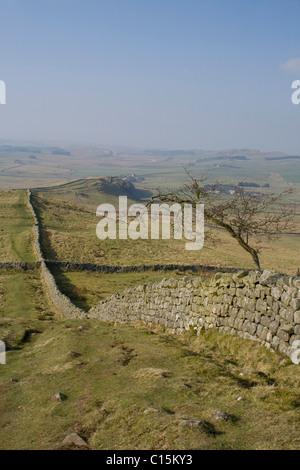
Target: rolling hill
{"x":94,"y":191}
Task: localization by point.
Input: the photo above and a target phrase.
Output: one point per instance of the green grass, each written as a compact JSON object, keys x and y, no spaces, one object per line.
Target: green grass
{"x":16,"y":234}
{"x":123,"y":370}
{"x":91,"y":192}
{"x":86,"y":288}
{"x":24,"y":301}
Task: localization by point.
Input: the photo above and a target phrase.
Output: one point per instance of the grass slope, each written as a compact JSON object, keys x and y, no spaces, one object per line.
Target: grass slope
{"x":94,"y":191}
{"x":69,"y":234}
{"x":86,"y":288}
{"x":132,"y":387}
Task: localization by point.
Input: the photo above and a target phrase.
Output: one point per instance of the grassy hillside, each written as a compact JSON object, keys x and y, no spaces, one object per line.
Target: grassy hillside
{"x":69,"y":234}
{"x":133,"y":388}
{"x":125,"y":387}
{"x":86,"y":288}
{"x":94,"y":191}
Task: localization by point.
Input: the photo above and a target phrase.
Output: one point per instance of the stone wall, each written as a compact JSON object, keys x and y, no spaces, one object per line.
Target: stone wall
{"x":62,"y":302}
{"x":24,"y":265}
{"x":69,"y":266}
{"x":261,"y":306}
{"x":254,"y":305}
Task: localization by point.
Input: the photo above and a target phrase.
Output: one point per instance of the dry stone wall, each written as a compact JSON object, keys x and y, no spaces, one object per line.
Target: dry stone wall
{"x":261,"y":306}
{"x":24,"y":265}
{"x":254,"y":305}
{"x":62,"y":302}
{"x":69,"y":266}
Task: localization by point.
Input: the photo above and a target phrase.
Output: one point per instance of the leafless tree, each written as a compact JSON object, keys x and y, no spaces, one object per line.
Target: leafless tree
{"x":244,"y":215}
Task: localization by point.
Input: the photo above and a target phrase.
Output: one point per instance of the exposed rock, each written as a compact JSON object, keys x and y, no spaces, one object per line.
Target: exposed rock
{"x":73,"y":354}
{"x":269,"y":277}
{"x":192,"y":422}
{"x":22,"y":383}
{"x":151,"y":410}
{"x":74,"y":440}
{"x":221,"y":415}
{"x":59,"y":396}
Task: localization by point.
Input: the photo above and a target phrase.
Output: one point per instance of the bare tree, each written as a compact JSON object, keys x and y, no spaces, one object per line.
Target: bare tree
{"x":244,"y":215}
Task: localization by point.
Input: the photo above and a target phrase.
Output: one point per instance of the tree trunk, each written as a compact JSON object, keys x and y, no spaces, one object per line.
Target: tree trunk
{"x":256,"y":260}
{"x":238,"y":238}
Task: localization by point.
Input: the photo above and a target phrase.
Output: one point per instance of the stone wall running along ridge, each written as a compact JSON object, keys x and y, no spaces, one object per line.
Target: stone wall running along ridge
{"x":253,"y":305}
{"x":61,"y":301}
{"x":261,"y":306}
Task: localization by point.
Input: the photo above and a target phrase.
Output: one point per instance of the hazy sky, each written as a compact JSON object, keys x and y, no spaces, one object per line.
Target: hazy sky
{"x":202,"y":74}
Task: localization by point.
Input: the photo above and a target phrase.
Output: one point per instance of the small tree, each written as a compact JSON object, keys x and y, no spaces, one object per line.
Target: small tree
{"x":245,"y":216}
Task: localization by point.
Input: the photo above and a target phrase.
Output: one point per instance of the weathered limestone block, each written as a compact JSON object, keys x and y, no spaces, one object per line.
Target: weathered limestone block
{"x":251,"y":329}
{"x":273,"y":327}
{"x":261,"y":305}
{"x":249,"y":304}
{"x":294,"y":338}
{"x":265,"y":321}
{"x":276,"y":292}
{"x":283,"y":335}
{"x":233,"y":311}
{"x":297,"y":329}
{"x":269,"y":277}
{"x":295,"y":304}
{"x":296,"y":282}
{"x":297,"y":317}
{"x":262,"y":332}
{"x":287,"y":314}
{"x":283,"y":348}
{"x":275,"y":342}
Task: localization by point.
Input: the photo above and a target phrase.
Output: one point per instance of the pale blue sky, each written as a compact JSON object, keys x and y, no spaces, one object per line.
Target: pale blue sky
{"x":202,"y":74}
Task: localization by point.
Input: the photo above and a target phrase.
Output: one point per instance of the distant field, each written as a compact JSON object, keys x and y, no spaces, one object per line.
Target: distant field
{"x":22,"y":169}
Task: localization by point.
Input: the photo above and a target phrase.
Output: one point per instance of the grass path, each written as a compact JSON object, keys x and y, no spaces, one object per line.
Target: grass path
{"x":22,"y":237}
{"x":16,"y":236}
{"x":18,"y":304}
